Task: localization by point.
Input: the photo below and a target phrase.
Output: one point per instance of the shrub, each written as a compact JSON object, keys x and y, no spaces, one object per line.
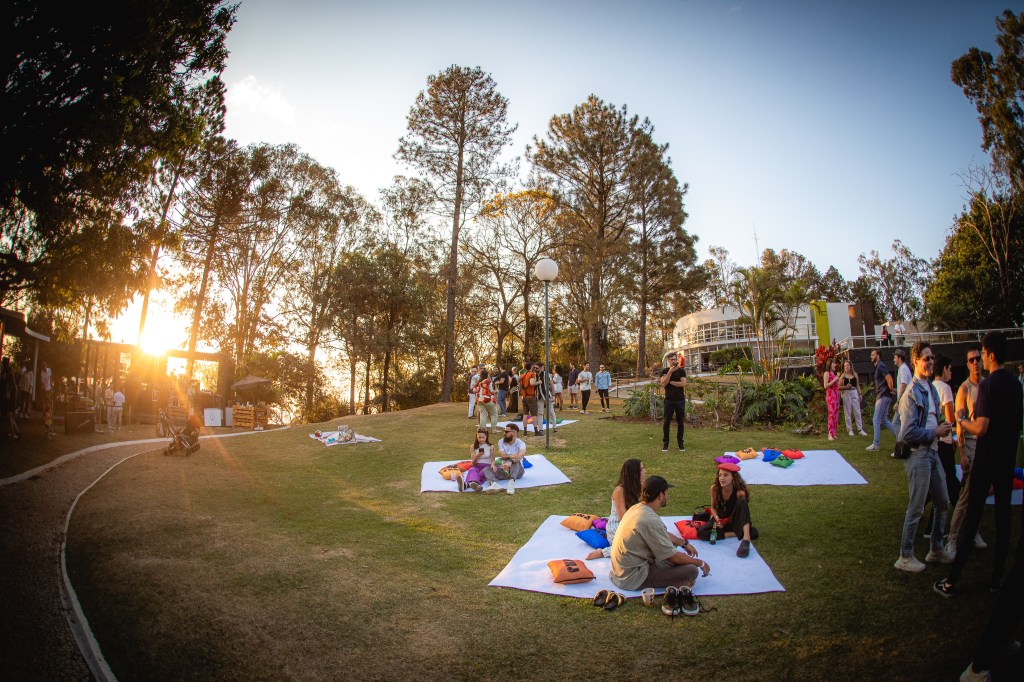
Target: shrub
{"x":778,"y":402}
{"x":638,"y":404}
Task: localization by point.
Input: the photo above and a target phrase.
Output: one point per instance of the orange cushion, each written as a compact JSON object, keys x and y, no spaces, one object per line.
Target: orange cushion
{"x":569,"y":571}
{"x":465,"y":466}
{"x":793,"y":454}
{"x":747,"y":453}
{"x":578,"y":522}
{"x":449,"y":471}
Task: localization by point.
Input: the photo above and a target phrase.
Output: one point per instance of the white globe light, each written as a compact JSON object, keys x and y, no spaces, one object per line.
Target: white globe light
{"x":546,"y":270}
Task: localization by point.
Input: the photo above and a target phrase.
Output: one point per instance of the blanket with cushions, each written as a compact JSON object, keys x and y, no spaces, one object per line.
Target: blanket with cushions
{"x":813,"y":467}
{"x":331,"y":438}
{"x":541,"y":472}
{"x":529,"y":569}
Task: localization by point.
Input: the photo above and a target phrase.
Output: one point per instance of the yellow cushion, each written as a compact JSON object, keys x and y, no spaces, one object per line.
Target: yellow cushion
{"x":449,"y":471}
{"x":569,"y":571}
{"x":578,"y":522}
{"x":748,"y":453}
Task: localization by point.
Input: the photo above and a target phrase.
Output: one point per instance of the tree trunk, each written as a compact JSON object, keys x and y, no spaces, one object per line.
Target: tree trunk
{"x":366,"y":384}
{"x":526,"y":320}
{"x":453,"y":272}
{"x":156,"y":251}
{"x":351,"y":381}
{"x":197,"y":314}
{"x":310,"y":379}
{"x":384,"y":383}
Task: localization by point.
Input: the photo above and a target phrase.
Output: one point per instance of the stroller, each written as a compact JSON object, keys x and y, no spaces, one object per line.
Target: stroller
{"x":185,"y":439}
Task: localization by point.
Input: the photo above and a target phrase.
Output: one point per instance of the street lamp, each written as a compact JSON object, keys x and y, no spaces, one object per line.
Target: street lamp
{"x":546,"y":271}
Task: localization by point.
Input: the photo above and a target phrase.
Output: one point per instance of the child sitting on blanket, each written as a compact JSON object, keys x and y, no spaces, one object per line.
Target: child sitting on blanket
{"x":729,"y":512}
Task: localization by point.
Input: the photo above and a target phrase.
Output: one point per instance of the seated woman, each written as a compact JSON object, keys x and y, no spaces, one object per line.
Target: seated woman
{"x":482,"y":460}
{"x":730,"y":509}
{"x":625,"y":495}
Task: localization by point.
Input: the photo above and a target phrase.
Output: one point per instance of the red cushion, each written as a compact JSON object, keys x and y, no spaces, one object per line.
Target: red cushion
{"x":688,"y":528}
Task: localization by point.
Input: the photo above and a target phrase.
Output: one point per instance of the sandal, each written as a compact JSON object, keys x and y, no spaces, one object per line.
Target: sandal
{"x":601,"y":598}
{"x":615,"y":600}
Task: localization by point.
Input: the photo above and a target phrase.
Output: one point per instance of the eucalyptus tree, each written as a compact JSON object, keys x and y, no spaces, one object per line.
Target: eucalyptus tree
{"x":662,"y":253}
{"x":898,"y":283}
{"x":457,"y":129}
{"x":586,"y":157}
{"x":90,"y":104}
{"x":330,"y":221}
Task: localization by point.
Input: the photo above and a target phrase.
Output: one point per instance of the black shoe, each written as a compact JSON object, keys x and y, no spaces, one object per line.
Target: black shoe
{"x":744,"y":551}
{"x":670,"y":603}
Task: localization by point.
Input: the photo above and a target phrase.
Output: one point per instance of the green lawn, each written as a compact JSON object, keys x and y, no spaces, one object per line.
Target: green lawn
{"x":273,"y":557}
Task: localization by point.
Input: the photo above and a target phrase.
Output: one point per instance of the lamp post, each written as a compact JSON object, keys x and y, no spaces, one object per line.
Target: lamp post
{"x":546,"y":271}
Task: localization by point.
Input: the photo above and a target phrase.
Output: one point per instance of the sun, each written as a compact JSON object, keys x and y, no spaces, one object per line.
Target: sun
{"x":162,"y":333}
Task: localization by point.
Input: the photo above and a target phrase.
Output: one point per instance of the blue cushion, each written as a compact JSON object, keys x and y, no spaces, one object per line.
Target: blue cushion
{"x":770,"y":454}
{"x":593,"y":538}
{"x":527,"y":463}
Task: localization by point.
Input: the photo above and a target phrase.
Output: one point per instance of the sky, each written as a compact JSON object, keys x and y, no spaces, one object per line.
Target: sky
{"x":826,"y":127}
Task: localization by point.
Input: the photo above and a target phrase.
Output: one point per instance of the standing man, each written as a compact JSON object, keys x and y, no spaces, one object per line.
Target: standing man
{"x":966,"y":396}
{"x":28,"y":380}
{"x":584,"y":380}
{"x":573,"y":388}
{"x":644,"y":554}
{"x":118,"y":409}
{"x":920,"y":429}
{"x":997,"y":424}
{"x":900,"y":332}
{"x":46,"y":383}
{"x":603,"y":382}
{"x":673,"y":380}
{"x":472,"y":378}
{"x":501,"y":385}
{"x":528,"y":389}
{"x":904,"y":375}
{"x":883,"y":399}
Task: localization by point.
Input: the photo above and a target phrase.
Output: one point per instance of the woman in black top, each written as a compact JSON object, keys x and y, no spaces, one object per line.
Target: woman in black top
{"x":849,"y":391}
{"x":513,"y":392}
{"x":8,"y":397}
{"x":730,"y":509}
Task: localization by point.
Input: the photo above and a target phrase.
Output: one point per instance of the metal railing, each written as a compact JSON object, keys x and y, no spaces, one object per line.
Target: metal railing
{"x":908,"y":339}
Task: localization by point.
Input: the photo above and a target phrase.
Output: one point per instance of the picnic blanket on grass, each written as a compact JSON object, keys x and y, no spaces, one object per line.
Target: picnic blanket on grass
{"x":542,"y":473}
{"x":1016,"y":497}
{"x":529,"y":570}
{"x":559,"y":422}
{"x":817,"y":467}
{"x":326,"y":436}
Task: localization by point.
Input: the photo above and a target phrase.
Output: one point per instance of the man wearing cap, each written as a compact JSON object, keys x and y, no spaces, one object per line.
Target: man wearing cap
{"x":644,"y":552}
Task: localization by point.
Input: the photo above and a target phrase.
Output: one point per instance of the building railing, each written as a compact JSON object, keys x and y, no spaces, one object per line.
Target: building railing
{"x":908,"y":339}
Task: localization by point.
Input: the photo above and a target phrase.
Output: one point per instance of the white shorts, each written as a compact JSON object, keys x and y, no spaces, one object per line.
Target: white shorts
{"x":574,"y":389}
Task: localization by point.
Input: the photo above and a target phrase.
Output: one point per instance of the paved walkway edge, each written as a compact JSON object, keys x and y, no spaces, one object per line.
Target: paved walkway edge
{"x":76,"y":619}
{"x":24,"y":476}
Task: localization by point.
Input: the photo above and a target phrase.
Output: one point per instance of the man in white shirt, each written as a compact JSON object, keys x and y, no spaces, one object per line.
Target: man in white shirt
{"x":904,"y":377}
{"x":474,"y":378}
{"x":118,"y":409}
{"x":511,"y":450}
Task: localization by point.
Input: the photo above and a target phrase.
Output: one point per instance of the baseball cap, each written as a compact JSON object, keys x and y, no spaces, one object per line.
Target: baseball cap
{"x":654,"y":486}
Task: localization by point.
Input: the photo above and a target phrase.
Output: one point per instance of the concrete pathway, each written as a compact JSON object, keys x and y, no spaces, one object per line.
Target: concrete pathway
{"x":36,"y":640}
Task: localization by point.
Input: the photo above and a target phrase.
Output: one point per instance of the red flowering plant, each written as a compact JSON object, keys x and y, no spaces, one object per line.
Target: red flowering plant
{"x":823,"y":357}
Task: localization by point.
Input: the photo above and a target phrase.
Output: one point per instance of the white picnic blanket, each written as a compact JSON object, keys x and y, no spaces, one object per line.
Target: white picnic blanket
{"x":529,"y":570}
{"x":531,"y":429}
{"x":1016,"y":497}
{"x":326,"y":438}
{"x":818,"y":467}
{"x":542,"y":473}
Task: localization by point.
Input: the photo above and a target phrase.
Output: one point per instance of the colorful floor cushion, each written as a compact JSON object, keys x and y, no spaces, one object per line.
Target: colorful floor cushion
{"x":569,"y":571}
{"x":782,"y":461}
{"x":727,"y":459}
{"x":688,"y":528}
{"x":793,"y":454}
{"x":748,"y":453}
{"x":770,"y":454}
{"x":578,"y":522}
{"x":594,"y":538}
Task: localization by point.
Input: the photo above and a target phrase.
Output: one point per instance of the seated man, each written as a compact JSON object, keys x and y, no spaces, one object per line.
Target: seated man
{"x":511,"y":450}
{"x":644,"y":553}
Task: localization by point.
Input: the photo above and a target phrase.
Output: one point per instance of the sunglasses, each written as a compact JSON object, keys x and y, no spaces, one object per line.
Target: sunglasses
{"x":976,"y":358}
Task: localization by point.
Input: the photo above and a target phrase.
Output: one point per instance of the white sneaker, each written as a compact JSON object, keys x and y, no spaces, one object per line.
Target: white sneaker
{"x":851,"y":432}
{"x":861,"y":433}
{"x":979,"y":543}
{"x":511,"y":486}
{"x":940,"y":556}
{"x":492,"y":488}
{"x":872,"y":448}
{"x":969,"y":675}
{"x":909,"y":564}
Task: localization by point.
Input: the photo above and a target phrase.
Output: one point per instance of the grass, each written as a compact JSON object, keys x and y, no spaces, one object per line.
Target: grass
{"x":273,"y":557}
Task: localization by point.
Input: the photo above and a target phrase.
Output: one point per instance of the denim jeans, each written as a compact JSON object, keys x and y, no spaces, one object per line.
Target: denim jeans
{"x":924,"y":475}
{"x":881,"y":418}
{"x":502,"y":395}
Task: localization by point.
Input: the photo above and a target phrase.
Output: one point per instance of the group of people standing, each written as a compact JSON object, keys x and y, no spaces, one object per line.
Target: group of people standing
{"x":16,"y":395}
{"x":842,"y":392}
{"x":495,"y":393}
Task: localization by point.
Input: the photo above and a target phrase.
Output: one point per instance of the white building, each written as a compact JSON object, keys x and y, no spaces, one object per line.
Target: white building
{"x":699,"y":334}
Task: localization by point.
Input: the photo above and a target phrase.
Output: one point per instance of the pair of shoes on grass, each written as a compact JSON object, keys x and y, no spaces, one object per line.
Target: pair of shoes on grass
{"x":609,"y":600}
{"x":680,"y":601}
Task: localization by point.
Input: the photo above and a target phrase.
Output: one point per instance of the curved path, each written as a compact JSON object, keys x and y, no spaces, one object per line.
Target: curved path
{"x":36,"y":642}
